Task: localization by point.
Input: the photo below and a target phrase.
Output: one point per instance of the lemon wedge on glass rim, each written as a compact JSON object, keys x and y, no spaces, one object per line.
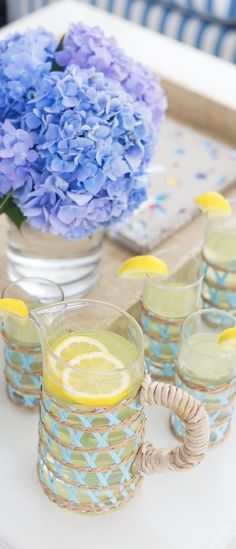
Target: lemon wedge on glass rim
{"x":213,"y":204}
{"x":141,"y":265}
{"x":14,"y":306}
{"x":227,"y":339}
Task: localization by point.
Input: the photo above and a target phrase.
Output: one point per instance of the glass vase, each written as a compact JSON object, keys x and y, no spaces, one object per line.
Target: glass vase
{"x":74,"y":265}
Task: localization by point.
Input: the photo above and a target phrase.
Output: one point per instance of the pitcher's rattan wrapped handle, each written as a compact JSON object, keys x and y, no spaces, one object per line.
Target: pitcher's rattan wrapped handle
{"x":187,"y":455}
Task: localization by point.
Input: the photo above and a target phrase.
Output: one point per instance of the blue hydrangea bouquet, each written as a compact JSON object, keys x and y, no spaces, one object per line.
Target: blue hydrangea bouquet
{"x":78,"y":125}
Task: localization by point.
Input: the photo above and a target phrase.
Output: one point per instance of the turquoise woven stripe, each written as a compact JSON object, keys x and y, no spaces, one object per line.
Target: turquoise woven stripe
{"x":219,"y":405}
{"x":78,"y":464}
{"x":23,"y":375}
{"x":223,"y":296}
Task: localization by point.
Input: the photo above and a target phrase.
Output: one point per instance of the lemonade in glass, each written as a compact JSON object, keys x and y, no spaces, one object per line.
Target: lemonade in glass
{"x":207,"y":370}
{"x":219,"y":256}
{"x":21,"y":344}
{"x":165,"y":304}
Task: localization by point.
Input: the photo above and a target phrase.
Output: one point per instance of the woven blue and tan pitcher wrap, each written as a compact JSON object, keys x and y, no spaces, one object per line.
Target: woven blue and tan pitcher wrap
{"x":92,"y":460}
{"x":86,"y":456}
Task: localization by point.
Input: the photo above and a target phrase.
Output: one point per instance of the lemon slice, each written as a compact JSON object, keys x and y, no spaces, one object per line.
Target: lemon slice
{"x":141,"y":265}
{"x":213,"y":204}
{"x":71,"y":346}
{"x":227,"y":339}
{"x":15,"y":307}
{"x":97,"y":379}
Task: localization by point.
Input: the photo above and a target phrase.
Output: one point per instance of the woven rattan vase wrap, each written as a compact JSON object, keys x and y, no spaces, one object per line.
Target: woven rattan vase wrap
{"x":93,"y":460}
{"x":219,"y":287}
{"x":22,"y":369}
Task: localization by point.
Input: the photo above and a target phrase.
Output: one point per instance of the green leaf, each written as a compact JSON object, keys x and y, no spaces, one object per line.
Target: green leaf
{"x":16,"y":216}
{"x":8,"y":207}
{"x":55,"y":66}
{"x":4,"y":202}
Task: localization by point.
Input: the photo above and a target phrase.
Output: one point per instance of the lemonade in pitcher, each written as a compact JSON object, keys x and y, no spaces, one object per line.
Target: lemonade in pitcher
{"x":92,"y":454}
{"x":91,"y":422}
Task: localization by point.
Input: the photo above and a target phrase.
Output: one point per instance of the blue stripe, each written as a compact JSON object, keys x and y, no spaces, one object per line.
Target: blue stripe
{"x":219,"y":41}
{"x":234,"y":56}
{"x":110,"y":6}
{"x":200,"y":34}
{"x":181,"y":28}
{"x":146,"y":10}
{"x":232,"y":9}
{"x":163,"y":21}
{"x":190,"y":5}
{"x":210,"y":7}
{"x":127,"y":9}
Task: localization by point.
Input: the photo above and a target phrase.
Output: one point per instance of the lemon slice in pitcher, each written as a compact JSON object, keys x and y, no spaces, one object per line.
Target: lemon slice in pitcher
{"x":96,"y":379}
{"x":70,"y":346}
{"x":213,"y":204}
{"x":141,"y":265}
{"x":14,"y":306}
{"x":227,"y":339}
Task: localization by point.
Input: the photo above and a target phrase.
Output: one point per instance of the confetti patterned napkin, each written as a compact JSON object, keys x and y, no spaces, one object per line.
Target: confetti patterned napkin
{"x":188,"y":163}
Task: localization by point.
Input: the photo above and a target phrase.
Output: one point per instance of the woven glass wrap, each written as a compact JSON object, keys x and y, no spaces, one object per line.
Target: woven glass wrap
{"x":86,"y":456}
{"x":219,"y":287}
{"x":219,"y":403}
{"x":22,"y":373}
{"x":161,"y":344}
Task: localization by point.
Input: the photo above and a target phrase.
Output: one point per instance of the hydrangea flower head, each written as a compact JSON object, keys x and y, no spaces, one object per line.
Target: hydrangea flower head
{"x":80,"y":155}
{"x":24,"y":59}
{"x":89,"y":47}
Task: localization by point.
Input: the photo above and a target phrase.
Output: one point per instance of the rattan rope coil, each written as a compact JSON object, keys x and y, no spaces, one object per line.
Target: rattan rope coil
{"x":152,"y":460}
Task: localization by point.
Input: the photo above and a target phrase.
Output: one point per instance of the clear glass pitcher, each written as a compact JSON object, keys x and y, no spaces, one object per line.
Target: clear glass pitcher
{"x":92,"y":454}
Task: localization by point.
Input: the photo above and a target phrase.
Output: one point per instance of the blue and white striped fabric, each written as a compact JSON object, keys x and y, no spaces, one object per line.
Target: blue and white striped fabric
{"x":223,"y":10}
{"x":212,"y":37}
{"x":19,"y":8}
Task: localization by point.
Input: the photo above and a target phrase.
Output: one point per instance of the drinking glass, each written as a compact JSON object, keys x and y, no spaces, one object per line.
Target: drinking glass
{"x":206,"y":370}
{"x":219,"y":258}
{"x":165,"y":304}
{"x":91,"y":454}
{"x":22,"y":349}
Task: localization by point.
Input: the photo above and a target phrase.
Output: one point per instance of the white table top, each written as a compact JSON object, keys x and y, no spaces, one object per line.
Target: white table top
{"x":191,"y":510}
{"x":194,"y":510}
